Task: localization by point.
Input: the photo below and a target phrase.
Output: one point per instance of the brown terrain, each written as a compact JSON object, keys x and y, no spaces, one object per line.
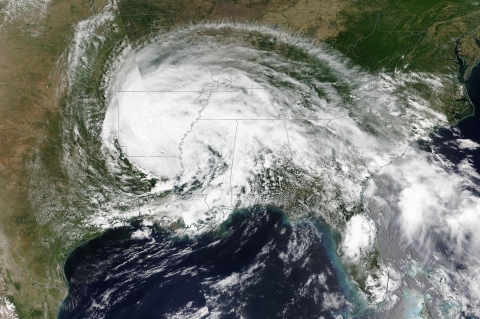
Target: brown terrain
{"x":30,"y":103}
{"x":31,"y":45}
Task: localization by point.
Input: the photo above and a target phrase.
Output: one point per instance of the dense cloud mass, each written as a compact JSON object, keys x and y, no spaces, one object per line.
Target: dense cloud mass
{"x":234,"y":115}
{"x":220,"y":106}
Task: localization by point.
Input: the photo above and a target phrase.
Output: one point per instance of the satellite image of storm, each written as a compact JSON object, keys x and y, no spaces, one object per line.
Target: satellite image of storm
{"x":239,"y":159}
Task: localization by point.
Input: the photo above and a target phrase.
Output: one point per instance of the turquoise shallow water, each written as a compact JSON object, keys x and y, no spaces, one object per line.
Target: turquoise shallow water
{"x":257,"y":265}
{"x":413,"y":301}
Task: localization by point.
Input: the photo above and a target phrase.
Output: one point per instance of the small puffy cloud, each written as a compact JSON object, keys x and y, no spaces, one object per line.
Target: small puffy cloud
{"x":142,"y":233}
{"x":332,"y":301}
{"x":466,"y":144}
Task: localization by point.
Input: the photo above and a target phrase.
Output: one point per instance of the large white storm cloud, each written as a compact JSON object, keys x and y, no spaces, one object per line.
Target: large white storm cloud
{"x":233,"y":115}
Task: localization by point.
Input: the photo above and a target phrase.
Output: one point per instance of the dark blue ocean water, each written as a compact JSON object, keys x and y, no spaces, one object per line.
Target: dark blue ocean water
{"x":445,"y":141}
{"x":469,"y":128}
{"x":257,"y":266}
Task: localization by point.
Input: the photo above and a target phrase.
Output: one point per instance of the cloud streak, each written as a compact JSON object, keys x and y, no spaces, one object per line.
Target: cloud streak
{"x":249,"y":122}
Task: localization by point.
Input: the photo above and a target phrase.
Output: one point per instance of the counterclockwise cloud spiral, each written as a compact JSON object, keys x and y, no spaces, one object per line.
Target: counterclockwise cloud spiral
{"x":235,"y":115}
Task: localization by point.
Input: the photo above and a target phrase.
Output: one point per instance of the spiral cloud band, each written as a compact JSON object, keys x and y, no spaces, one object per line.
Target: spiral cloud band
{"x":233,"y":115}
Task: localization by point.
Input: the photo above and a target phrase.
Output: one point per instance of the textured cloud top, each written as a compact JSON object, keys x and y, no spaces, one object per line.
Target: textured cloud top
{"x":227,"y":115}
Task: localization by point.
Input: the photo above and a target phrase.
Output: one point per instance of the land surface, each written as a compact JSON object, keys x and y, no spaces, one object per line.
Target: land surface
{"x":31,"y":255}
{"x":385,"y":36}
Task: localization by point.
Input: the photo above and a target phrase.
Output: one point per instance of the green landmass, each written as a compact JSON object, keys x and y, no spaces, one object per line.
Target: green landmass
{"x":414,"y":36}
{"x":385,"y":36}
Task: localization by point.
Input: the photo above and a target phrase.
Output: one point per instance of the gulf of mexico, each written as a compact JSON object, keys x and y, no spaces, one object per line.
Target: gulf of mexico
{"x":256,"y":265}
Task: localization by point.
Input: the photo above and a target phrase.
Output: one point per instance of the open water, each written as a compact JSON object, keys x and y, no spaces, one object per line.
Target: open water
{"x":445,"y":140}
{"x":257,"y":266}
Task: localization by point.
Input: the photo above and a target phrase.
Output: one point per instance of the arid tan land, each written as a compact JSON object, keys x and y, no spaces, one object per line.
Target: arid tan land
{"x":31,"y":253}
{"x":31,"y":45}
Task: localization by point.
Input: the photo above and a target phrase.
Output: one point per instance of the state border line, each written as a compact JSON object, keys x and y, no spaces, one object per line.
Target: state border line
{"x":231,"y":167}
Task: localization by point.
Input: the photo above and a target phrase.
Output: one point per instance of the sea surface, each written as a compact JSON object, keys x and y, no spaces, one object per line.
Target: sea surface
{"x":446,"y":141}
{"x":256,"y":266}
